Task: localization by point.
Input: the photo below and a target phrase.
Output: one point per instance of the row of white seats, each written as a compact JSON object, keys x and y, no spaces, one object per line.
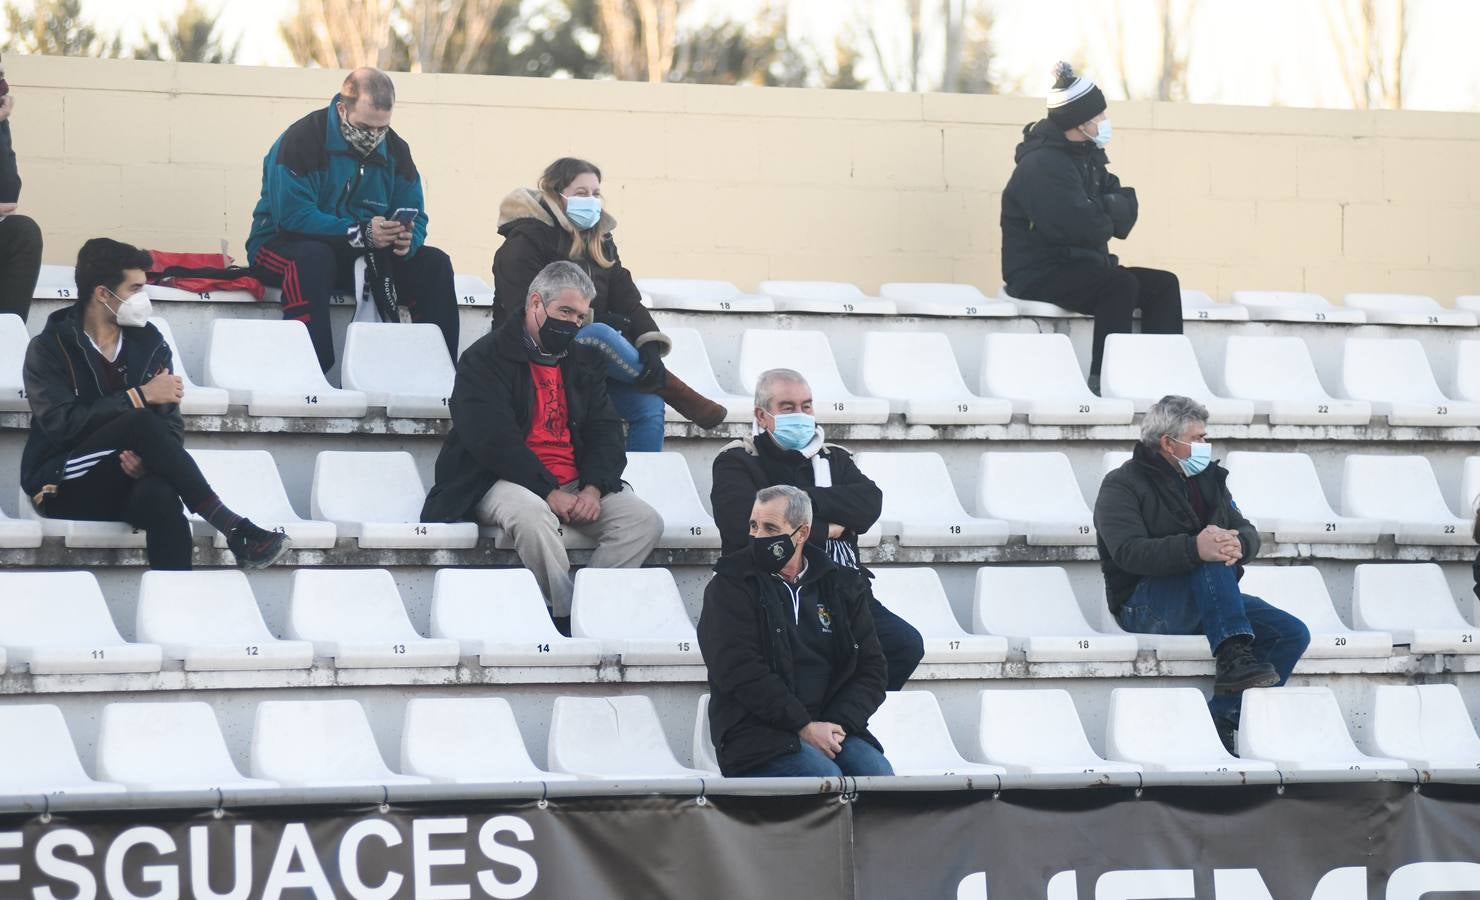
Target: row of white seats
{"x":145,"y":747}
{"x":59,"y":623}
{"x":269,"y":367}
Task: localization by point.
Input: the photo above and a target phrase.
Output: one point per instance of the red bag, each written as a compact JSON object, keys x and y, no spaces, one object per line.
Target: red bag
{"x":201,"y":273}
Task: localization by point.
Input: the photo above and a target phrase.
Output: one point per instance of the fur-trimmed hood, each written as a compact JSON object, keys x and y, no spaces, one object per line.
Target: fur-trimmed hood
{"x":528,"y":203}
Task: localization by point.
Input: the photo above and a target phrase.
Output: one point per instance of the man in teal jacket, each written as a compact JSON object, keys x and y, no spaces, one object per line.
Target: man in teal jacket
{"x":331,"y":186}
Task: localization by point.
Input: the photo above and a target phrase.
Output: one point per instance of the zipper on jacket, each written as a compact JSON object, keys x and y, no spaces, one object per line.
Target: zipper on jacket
{"x":350,"y":186}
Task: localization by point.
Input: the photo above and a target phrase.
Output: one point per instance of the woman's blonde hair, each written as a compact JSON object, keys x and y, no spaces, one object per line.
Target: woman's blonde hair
{"x":557,"y":177}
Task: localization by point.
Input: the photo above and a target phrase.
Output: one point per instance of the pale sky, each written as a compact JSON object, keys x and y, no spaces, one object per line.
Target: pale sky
{"x":1253,"y":52}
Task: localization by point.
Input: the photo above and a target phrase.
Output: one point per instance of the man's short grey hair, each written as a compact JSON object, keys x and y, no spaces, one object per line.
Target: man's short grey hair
{"x":765,"y":385}
{"x":1170,"y":417}
{"x":798,"y":510}
{"x":559,"y":276}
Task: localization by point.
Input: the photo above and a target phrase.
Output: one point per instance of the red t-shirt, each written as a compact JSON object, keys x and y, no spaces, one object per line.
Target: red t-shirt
{"x":549,"y":429}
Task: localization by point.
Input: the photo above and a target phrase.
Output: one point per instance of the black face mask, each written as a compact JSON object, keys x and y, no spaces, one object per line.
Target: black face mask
{"x":771,"y":554}
{"x":557,"y":334}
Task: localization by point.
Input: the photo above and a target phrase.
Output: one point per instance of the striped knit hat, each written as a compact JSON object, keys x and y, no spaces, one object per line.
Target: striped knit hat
{"x":1074,"y":100}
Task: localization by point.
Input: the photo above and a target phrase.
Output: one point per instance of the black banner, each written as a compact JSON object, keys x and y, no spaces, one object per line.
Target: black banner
{"x":1352,"y":841}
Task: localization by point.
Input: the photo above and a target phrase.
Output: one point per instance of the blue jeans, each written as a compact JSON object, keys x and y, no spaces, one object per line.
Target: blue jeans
{"x":1207,"y":601}
{"x":642,"y":411}
{"x":857,"y":758}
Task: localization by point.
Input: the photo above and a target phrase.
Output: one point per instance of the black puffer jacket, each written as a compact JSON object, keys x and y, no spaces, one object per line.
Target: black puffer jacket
{"x":1060,"y":208}
{"x":65,"y":390}
{"x":537,"y":233}
{"x":754,"y":713}
{"x":1147,"y":525}
{"x":492,"y":407}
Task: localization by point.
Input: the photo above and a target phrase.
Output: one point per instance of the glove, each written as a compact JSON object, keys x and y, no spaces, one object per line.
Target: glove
{"x":1122,"y":208}
{"x":654,"y":375}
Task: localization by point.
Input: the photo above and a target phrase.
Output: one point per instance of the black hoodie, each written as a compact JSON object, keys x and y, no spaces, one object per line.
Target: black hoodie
{"x":1060,"y":208}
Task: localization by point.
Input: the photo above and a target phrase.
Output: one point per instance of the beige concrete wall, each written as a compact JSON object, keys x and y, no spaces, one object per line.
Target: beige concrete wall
{"x":747,"y":183}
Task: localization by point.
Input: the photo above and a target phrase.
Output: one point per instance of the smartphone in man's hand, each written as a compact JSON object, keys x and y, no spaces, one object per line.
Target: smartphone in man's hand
{"x":405,"y":215}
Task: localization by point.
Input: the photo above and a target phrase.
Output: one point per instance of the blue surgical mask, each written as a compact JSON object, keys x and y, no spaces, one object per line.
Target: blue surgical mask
{"x":583,"y":212}
{"x":793,"y":431}
{"x":1198,"y":459}
{"x":1101,"y":137}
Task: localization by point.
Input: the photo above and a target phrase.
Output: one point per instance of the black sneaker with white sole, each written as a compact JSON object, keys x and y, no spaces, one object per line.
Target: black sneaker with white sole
{"x":256,"y":548}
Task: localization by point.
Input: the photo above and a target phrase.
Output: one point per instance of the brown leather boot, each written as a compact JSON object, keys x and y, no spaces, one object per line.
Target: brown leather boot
{"x":689,"y":403}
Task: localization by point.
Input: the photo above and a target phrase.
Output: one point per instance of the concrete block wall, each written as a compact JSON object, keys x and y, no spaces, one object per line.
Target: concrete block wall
{"x":746,"y":184}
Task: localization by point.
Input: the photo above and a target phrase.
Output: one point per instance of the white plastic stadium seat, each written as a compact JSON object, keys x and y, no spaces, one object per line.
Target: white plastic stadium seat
{"x":167,"y":747}
{"x":1038,"y":308}
{"x":1169,"y":730}
{"x":1302,"y":729}
{"x":916,"y":740}
{"x":612,"y":738}
{"x":76,"y":533}
{"x":56,"y":283}
{"x":920,"y":506}
{"x":700,"y":295}
{"x":688,"y":359}
{"x":1295,"y":306}
{"x":1466,"y":383}
{"x":918,"y":298}
{"x":663,"y":481}
{"x":1426,"y":725}
{"x":209,"y":620}
{"x":471,"y":291}
{"x":270,"y":366}
{"x":356,"y":617}
{"x":1167,"y":647}
{"x":1413,"y":603}
{"x":499,"y":616}
{"x":1278,"y":375}
{"x":636,"y":613}
{"x":467,"y":741}
{"x":247,"y":482}
{"x":917,"y":373}
{"x":1038,"y":732}
{"x":13,"y":343}
{"x":1301,"y":592}
{"x":1199,"y":306}
{"x":705,"y":756}
{"x":1408,"y":309}
{"x":1038,"y":496}
{"x":1280,"y":493}
{"x":1040,"y":375}
{"x":1393,"y":375}
{"x":808,"y":353}
{"x":824,"y":297}
{"x":917,"y":596}
{"x":1402,"y":493}
{"x":1112,"y":460}
{"x":319,"y":743}
{"x":45,"y":762}
{"x":58,"y":624}
{"x":1468,"y":302}
{"x":403,"y":368}
{"x":376,"y":498}
{"x":20,"y":533}
{"x":1035,"y":609}
{"x":1143,"y":368}
{"x":198,"y":400}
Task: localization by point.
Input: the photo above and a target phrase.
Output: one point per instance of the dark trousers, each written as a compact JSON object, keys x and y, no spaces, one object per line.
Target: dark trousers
{"x":20,"y":263}
{"x":902,"y":645}
{"x":309,"y":271}
{"x":1112,"y":296}
{"x":102,"y":492}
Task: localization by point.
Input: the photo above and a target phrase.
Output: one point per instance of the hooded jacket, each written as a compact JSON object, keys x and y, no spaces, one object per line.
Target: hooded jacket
{"x":492,"y":407}
{"x":1060,"y":208}
{"x":65,"y":390}
{"x":754,"y":713}
{"x":10,"y":176}
{"x":315,"y":186}
{"x":749,"y":464}
{"x":1147,"y":525}
{"x":537,"y":233}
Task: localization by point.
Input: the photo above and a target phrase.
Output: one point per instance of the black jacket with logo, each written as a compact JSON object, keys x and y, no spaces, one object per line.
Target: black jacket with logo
{"x":492,"y":406}
{"x":754,"y":712}
{"x":1147,"y":525}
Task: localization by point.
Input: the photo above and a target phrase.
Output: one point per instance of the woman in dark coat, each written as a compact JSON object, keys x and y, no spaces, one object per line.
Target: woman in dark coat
{"x":564,"y":219}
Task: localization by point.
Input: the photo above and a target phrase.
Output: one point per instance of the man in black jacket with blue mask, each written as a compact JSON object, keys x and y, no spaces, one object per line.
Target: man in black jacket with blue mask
{"x":1060,"y":209}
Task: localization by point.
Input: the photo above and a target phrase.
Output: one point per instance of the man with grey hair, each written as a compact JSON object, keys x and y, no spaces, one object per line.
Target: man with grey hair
{"x":786,"y":446}
{"x":795,"y":670}
{"x":1172,"y":547}
{"x":536,"y":445}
